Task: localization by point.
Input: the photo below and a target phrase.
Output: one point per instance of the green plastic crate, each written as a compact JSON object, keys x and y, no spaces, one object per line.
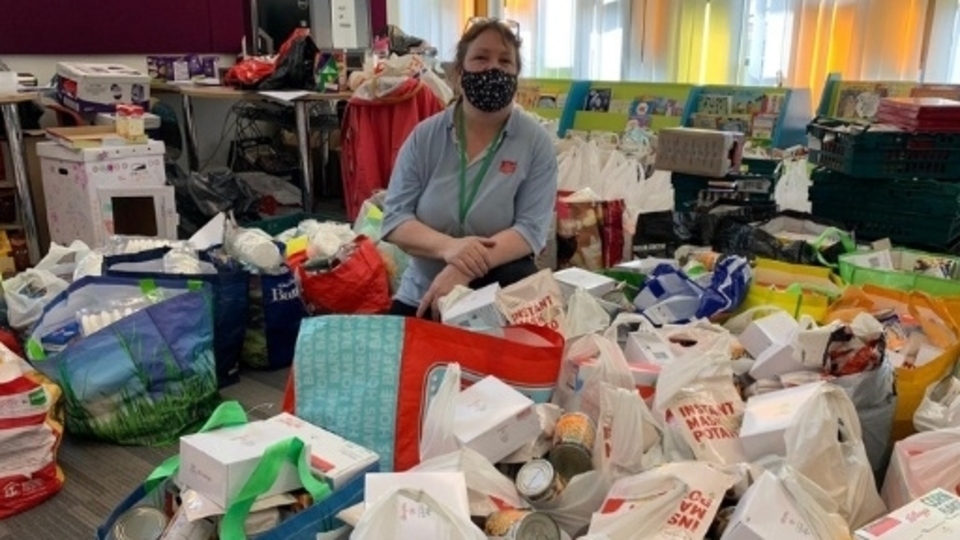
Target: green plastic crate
{"x":276,"y":225}
{"x":863,"y":151}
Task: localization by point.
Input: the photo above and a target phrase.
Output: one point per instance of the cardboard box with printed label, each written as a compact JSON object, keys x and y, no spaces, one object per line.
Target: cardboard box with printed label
{"x":217,"y":464}
{"x":935,"y":516}
{"x":331,"y":457}
{"x":494,"y":420}
{"x":93,"y":193}
{"x":767,"y":417}
{"x":477,"y":310}
{"x":91,"y":88}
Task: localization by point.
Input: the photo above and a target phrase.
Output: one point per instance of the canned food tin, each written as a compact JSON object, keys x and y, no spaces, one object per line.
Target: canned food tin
{"x":522,"y":525}
{"x":575,"y":428}
{"x":538,"y":482}
{"x":140,"y":523}
{"x":573,"y":439}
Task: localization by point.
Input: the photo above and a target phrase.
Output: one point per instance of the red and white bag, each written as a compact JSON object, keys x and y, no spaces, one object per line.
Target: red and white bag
{"x":701,"y":409}
{"x":922,"y":463}
{"x":535,"y":300}
{"x":629,"y":439}
{"x":30,"y":435}
{"x":689,"y":514}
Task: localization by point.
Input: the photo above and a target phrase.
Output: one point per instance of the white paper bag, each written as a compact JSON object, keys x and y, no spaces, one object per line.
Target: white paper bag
{"x":535,"y":300}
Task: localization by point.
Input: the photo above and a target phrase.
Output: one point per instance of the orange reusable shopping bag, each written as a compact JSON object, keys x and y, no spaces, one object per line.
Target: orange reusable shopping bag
{"x":937,"y":323}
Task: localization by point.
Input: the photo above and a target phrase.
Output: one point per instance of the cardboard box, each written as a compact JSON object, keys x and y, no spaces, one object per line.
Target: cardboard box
{"x":767,"y":511}
{"x":494,"y":419}
{"x":764,"y":333}
{"x":217,"y":464}
{"x":767,"y":417}
{"x":645,"y":347}
{"x":570,"y":279}
{"x":91,"y":88}
{"x":701,"y":152}
{"x":331,"y":457}
{"x":477,"y":310}
{"x":777,"y":360}
{"x":935,"y":516}
{"x":93,"y":193}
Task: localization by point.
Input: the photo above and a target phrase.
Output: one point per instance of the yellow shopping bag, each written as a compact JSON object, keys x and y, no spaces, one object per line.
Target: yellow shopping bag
{"x":794,"y":288}
{"x":937,"y":322}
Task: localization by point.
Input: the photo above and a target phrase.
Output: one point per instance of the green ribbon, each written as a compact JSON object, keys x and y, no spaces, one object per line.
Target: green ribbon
{"x":466,"y":199}
{"x":228,"y":414}
{"x":293,"y":451}
{"x":832,"y":232}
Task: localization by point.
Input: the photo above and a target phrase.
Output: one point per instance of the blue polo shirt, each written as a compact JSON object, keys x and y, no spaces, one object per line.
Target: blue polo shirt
{"x":518,"y":191}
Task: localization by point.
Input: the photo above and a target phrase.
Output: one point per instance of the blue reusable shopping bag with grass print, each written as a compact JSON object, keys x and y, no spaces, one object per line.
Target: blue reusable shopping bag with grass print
{"x":228,"y":282}
{"x":145,"y":377}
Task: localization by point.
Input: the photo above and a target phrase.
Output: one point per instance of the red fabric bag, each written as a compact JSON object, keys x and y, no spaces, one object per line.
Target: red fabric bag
{"x":394,"y":365}
{"x":359,"y":285}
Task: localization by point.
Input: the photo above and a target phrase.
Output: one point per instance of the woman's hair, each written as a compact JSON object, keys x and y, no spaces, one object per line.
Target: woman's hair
{"x":505,"y":32}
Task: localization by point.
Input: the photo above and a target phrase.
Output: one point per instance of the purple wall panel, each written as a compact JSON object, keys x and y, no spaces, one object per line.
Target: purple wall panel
{"x":120,"y":26}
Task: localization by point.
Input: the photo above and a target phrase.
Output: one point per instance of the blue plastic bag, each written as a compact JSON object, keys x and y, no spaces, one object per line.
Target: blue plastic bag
{"x":229,"y":293}
{"x":143,"y":380}
{"x":670,"y":296}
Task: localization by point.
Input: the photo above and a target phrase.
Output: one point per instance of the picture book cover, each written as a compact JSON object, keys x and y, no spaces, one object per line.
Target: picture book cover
{"x":598,"y":100}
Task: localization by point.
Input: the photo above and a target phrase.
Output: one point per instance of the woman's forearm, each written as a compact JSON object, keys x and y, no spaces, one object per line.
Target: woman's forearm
{"x":509,"y":247}
{"x":419,"y":240}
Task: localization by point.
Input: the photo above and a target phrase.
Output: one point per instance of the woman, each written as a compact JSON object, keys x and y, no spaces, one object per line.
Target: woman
{"x":473,"y":188}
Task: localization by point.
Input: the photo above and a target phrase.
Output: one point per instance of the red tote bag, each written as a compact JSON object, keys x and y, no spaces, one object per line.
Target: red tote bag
{"x":370,"y":379}
{"x":359,"y":285}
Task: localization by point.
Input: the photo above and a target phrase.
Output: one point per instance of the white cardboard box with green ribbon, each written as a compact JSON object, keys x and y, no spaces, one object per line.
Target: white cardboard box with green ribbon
{"x":216,"y":464}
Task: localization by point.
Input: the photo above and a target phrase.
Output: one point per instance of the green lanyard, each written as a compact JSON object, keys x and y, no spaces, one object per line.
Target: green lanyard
{"x":466,"y":199}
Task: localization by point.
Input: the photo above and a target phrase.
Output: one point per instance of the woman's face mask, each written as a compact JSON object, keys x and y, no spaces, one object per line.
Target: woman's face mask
{"x":489,"y":90}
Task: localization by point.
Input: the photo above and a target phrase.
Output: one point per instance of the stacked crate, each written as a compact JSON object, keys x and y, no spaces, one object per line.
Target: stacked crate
{"x":753,"y":185}
{"x":898,"y":178}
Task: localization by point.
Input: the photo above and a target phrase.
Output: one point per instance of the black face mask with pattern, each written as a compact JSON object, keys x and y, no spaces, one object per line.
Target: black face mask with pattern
{"x":490,"y":90}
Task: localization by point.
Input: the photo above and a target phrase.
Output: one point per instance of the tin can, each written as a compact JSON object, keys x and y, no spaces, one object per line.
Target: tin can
{"x":140,"y":523}
{"x":538,"y":482}
{"x":522,"y":525}
{"x":573,"y":438}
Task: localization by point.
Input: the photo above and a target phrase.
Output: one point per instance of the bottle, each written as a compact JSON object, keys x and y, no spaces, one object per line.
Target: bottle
{"x":20,"y":253}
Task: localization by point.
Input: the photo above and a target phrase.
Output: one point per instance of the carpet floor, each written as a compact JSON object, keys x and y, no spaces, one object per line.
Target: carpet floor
{"x":99,"y":476}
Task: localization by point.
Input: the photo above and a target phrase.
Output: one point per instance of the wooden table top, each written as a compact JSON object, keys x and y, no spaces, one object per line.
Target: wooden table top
{"x":19,"y":97}
{"x":227,"y":92}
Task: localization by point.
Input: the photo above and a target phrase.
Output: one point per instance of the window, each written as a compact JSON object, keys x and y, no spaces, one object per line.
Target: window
{"x":440,"y":22}
{"x":572,"y":38}
{"x":769,"y":31}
